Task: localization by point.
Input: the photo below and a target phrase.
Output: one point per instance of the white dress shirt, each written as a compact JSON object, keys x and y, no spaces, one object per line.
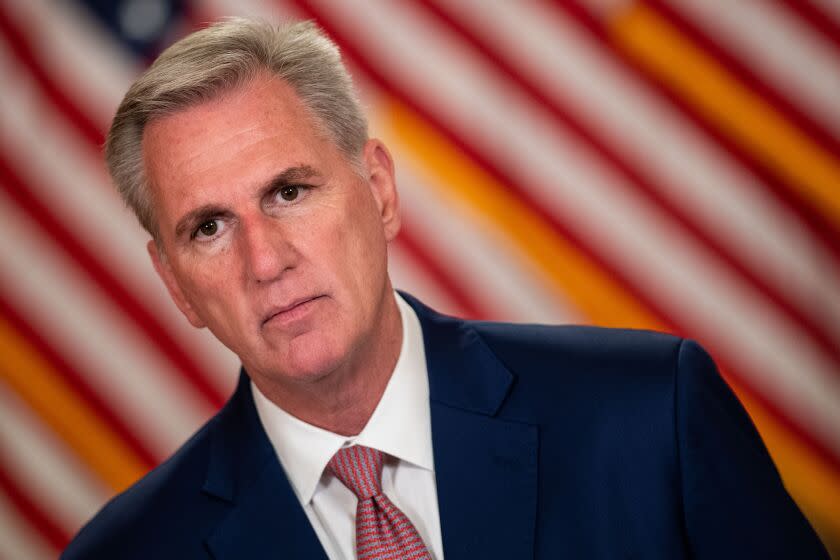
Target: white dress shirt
{"x":400,"y":427}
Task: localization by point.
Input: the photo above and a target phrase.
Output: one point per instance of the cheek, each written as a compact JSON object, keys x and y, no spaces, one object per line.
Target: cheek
{"x":345,"y":237}
{"x":208,"y":286}
{"x":365,"y":250}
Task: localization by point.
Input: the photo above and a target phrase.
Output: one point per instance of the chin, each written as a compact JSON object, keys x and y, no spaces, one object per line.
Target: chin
{"x":312,"y":360}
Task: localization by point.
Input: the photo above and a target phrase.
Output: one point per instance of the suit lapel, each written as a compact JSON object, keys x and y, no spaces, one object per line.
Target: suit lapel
{"x":265,"y":519}
{"x":485,"y":464}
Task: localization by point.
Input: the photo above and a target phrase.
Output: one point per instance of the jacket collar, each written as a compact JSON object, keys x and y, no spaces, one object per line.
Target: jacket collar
{"x":485,"y":465}
{"x":266,"y":517}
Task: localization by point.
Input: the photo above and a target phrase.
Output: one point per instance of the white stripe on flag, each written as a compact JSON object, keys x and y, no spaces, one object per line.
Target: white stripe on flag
{"x":475,"y":253}
{"x":44,"y":469}
{"x":693,"y":173}
{"x":783,"y":50}
{"x":91,"y":68}
{"x":96,"y":339}
{"x":70,"y":180}
{"x":18,"y":539}
{"x":409,"y":275}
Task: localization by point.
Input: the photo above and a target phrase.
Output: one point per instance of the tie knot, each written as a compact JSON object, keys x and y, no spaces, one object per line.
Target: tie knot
{"x":359,"y":468}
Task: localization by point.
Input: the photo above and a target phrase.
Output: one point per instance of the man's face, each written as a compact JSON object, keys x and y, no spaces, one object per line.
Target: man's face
{"x":269,"y":235}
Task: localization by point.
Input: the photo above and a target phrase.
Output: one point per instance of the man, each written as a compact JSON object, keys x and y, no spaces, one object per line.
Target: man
{"x":365,"y":424}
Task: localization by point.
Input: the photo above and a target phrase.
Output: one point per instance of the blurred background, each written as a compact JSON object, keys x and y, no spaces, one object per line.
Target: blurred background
{"x":660,"y":165}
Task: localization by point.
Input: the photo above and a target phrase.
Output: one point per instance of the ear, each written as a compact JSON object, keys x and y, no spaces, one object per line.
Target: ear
{"x":164,"y":270}
{"x":383,"y":184}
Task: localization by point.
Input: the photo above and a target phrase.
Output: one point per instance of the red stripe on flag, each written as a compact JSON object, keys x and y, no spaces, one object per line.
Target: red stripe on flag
{"x":23,"y":50}
{"x":826,"y":456}
{"x":77,"y":382}
{"x":119,"y":295}
{"x":35,"y":516}
{"x":817,"y":19}
{"x":785,"y":106}
{"x":645,"y":187}
{"x":809,"y":215}
{"x":467,"y":304}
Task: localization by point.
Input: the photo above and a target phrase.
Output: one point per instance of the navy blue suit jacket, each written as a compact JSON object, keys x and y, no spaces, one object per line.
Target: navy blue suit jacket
{"x":549,"y":442}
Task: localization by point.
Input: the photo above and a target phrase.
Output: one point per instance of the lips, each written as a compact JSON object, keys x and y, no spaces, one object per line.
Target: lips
{"x":289,"y":311}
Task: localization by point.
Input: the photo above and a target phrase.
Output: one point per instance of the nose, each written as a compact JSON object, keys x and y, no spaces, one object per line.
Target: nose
{"x":267,"y":248}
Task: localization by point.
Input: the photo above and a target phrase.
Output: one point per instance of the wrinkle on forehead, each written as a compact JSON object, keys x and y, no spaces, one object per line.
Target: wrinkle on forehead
{"x":225,"y":115}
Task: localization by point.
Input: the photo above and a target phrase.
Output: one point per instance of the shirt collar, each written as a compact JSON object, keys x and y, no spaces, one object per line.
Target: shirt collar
{"x":399,"y":426}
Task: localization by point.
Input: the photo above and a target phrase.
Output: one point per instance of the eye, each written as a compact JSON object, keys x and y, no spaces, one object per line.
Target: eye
{"x":285,"y":197}
{"x":290,"y":192}
{"x":208,"y":229}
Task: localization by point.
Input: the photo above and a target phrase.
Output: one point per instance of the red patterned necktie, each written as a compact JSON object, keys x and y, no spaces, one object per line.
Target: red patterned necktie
{"x":383,"y":532}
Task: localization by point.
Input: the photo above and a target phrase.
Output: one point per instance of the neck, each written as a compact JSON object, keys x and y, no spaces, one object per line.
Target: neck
{"x":342,"y":401}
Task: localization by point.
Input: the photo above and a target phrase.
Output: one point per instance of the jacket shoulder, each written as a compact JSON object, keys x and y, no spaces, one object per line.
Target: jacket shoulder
{"x":607,"y":380}
{"x":572,"y":350}
{"x":155,"y":509}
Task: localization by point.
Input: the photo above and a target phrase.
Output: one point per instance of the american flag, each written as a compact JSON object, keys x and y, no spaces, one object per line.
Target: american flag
{"x":670,"y":165}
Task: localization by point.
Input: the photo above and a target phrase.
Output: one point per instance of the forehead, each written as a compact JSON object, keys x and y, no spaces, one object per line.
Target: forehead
{"x":265,"y":107}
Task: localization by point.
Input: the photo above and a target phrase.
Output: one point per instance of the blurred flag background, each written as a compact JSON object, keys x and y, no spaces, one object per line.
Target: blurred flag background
{"x":660,"y":165}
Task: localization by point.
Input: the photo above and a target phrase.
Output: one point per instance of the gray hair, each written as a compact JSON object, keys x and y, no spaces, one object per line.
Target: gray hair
{"x":221,"y":57}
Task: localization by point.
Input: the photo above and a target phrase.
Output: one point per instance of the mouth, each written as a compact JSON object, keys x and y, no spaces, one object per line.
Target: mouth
{"x":290,"y":312}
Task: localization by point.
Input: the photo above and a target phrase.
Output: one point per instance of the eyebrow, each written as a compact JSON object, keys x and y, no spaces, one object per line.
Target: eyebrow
{"x":288,"y":177}
{"x":208,"y":212}
{"x":198,"y":216}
